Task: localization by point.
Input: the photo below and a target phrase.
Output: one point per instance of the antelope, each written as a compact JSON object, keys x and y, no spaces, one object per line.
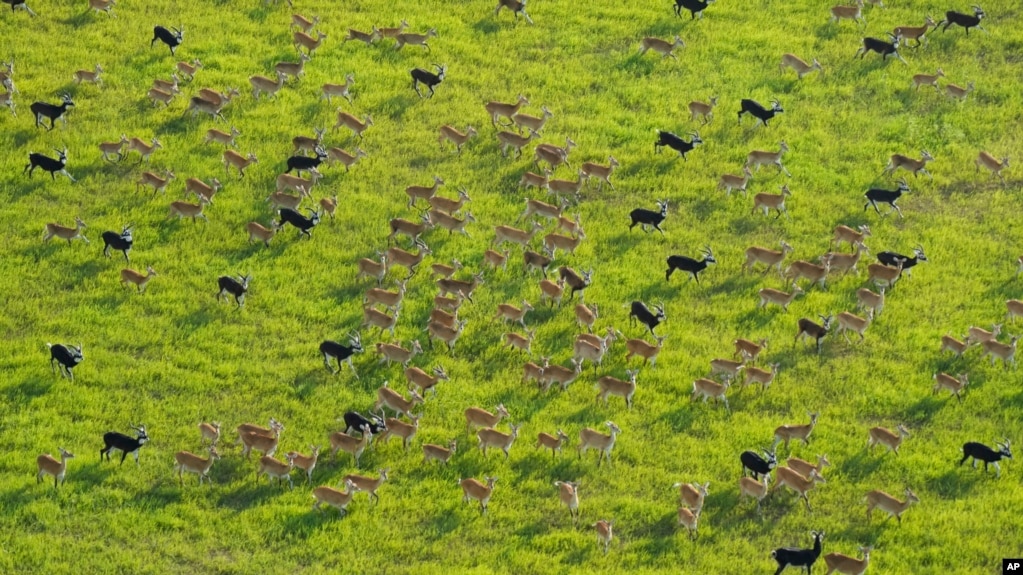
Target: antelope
{"x":274,"y":468}
{"x":567,"y":187}
{"x":294,"y":69}
{"x":993,"y":165}
{"x":103,"y":6}
{"x":949,"y":343}
{"x":442,"y":454}
{"x":140,"y":281}
{"x":454,"y":136}
{"x":220,"y":137}
{"x":691,"y":495}
{"x":480,"y":418}
{"x":552,"y":442}
{"x":192,"y":463}
{"x":425,"y":381}
{"x":392,"y":352}
{"x":602,"y":343}
{"x":264,"y":85}
{"x":689,"y":519}
{"x":474,"y":489}
{"x":282,"y":200}
{"x":513,"y":140}
{"x":447,"y":334}
{"x":728,"y":369}
{"x":529,"y":179}
{"x":812,"y":330}
{"x":368,"y":38}
{"x":647,"y":351}
{"x":329,"y":91}
{"x":110,"y":148}
{"x":91,"y":76}
{"x":780,"y":298}
{"x":509,"y":234}
{"x":218,"y":99}
{"x":845,"y":234}
{"x":568,"y":493}
{"x":201,"y":188}
{"x":49,"y":466}
{"x":533,"y":123}
{"x":352,"y":123}
{"x":749,"y":487}
{"x":307,"y":143}
{"x":851,"y":322}
{"x":490,"y":437}
{"x":662,"y":47}
{"x":520,"y":342}
{"x":709,"y":388}
{"x":1014,"y":309}
{"x":805,"y":467}
{"x":247,"y":428}
{"x":342,"y":441}
{"x":605,"y":533}
{"x":890,"y":439}
{"x":302,"y":23}
{"x":908,"y":33}
{"x":801,"y":67}
{"x":393,"y":32}
{"x":399,"y":428}
{"x":346,"y":158}
{"x":787,"y":433}
{"x":890,"y":505}
{"x":414,"y":39}
{"x":552,"y":242}
{"x":593,"y":170}
{"x":870,"y":301}
{"x":387,"y":397}
{"x":304,"y":40}
{"x":233,"y":158}
{"x":952,"y":384}
{"x":815,"y":273}
{"x":334,"y":498}
{"x":592,"y":439}
{"x":389,"y":299}
{"x":798,"y":483}
{"x":586,"y":315}
{"x":156,"y":182}
{"x":898,"y":161}
{"x":496,"y":259}
{"x":368,"y":484}
{"x":542,"y":209}
{"x":451,"y":223}
{"x":188,"y":69}
{"x":552,"y":291}
{"x":761,"y":376}
{"x":1002,"y":351}
{"x":884,"y":276}
{"x":502,"y":110}
{"x":767,"y":202}
{"x":195,"y":105}
{"x":977,"y":335}
{"x":534,"y":261}
{"x":534,"y":372}
{"x":729,"y":182}
{"x":609,"y":385}
{"x":509,"y":312}
{"x":854,"y":13}
{"x":372,"y":269}
{"x":704,"y":110}
{"x":379,"y":319}
{"x":846,"y":564}
{"x":145,"y":150}
{"x":958,"y":92}
{"x":928,"y":80}
{"x":423,"y":192}
{"x":209,"y":431}
{"x":303,"y":186}
{"x":760,"y":157}
{"x":770,"y":258}
{"x":261,"y":441}
{"x":553,"y":155}
{"x":158,"y":96}
{"x":447,"y":303}
{"x":561,"y":375}
{"x":749,"y":350}
{"x":399,"y":257}
{"x":407,"y":228}
{"x":65,"y":233}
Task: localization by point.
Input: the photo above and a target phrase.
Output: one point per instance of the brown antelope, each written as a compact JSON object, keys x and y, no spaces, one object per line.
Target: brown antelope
{"x":201,"y":188}
{"x":509,"y":234}
{"x":443,"y":317}
{"x":342,"y":441}
{"x":552,"y":442}
{"x":158,"y":96}
{"x":110,"y":148}
{"x":542,"y":209}
{"x":846,"y":262}
{"x":302,"y":23}
{"x":475,"y":489}
{"x":370,"y":485}
{"x":805,"y":467}
{"x":509,"y":312}
{"x":770,"y":258}
{"x":884,"y":276}
{"x":520,"y":342}
{"x":603,"y":343}
{"x":424,"y":381}
{"x":850,"y":322}
{"x":533,"y":123}
{"x":490,"y":437}
{"x":308,"y":143}
{"x":90,"y":76}
{"x":414,"y":39}
{"x":890,"y":505}
{"x":140,"y":281}
{"x":48,"y":465}
{"x":412,"y":230}
{"x":917,"y":33}
{"x":553,"y":155}
{"x":393,"y":32}
{"x":870,"y":301}
{"x":513,"y":140}
{"x":845,"y":234}
{"x":898,"y":161}
{"x":761,"y":376}
{"x":451,"y":134}
{"x":787,"y":433}
{"x":561,"y":375}
{"x":329,"y":91}
{"x":949,"y":343}
{"x":496,"y":259}
{"x":329,"y":205}
{"x":928,"y":80}
{"x":399,"y":428}
{"x":399,"y":257}
{"x":376,"y":318}
{"x":221,"y":137}
{"x":303,"y":186}
{"x":247,"y":428}
{"x":372,"y":36}
{"x":189,"y":68}
{"x":1014,"y":309}
{"x":440,"y":453}
{"x":392,"y":352}
{"x":187,"y":210}
{"x":568,"y":493}
{"x":854,"y":13}
{"x":170,"y":86}
{"x":333,"y":497}
{"x":709,"y":388}
{"x":197,"y":105}
{"x":280,"y":200}
{"x":372,"y":269}
{"x":534,"y":261}
{"x":1002,"y":351}
{"x":264,"y":85}
{"x":608,"y":385}
{"x":449,"y":206}
{"x":749,"y":350}
{"x":275,"y":468}
{"x":586,"y":315}
{"x":798,"y":483}
{"x":460,"y":287}
{"x":647,"y":351}
{"x":729,"y":182}
{"x":218,"y":99}
{"x":992,"y":164}
{"x":749,"y":487}
{"x":704,"y":110}
{"x":946,"y":381}
{"x":846,"y":564}
{"x":352,"y":123}
{"x":306,"y":462}
{"x":561,"y":188}
{"x":451,"y":223}
{"x":886,"y":437}
{"x":977,"y":335}
{"x":103,"y":6}
{"x":65,"y":233}
{"x":335,"y":155}
{"x":760,"y":157}
{"x":662,"y":47}
{"x":768,"y":202}
{"x":552,"y":291}
{"x":603,"y":173}
{"x":389,"y":299}
{"x":387,"y":397}
{"x":304,"y":40}
{"x":777,"y":297}
{"x":817,"y":274}
{"x":423,"y":192}
{"x":534,"y":372}
{"x":476,"y":417}
{"x":689,"y":519}
{"x":192,"y":463}
{"x":294,"y":69}
{"x":691,"y":495}
{"x":446,"y":334}
{"x":799,"y":65}
{"x":958,"y":92}
{"x":240,"y":162}
{"x":590,"y":438}
{"x":529,"y":179}
{"x":605,"y":533}
{"x":156,"y":182}
{"x":260,"y":441}
{"x":498,"y":110}
{"x":728,"y":369}
{"x":553,"y":242}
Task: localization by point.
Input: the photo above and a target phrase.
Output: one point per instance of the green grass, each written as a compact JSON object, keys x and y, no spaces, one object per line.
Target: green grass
{"x":174,"y":357}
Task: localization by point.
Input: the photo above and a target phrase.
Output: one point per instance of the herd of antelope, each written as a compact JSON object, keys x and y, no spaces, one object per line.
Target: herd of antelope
{"x":545,"y":238}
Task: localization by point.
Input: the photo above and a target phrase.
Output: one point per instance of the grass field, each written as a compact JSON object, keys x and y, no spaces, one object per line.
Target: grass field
{"x":175,"y":356}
